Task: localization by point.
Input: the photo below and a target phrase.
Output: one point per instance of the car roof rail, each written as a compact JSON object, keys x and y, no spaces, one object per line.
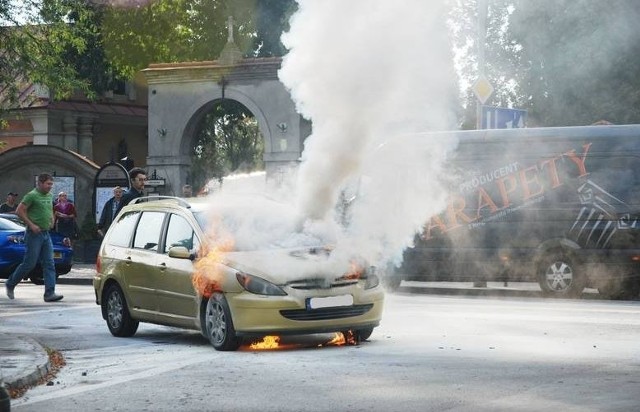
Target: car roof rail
{"x":178,"y":200}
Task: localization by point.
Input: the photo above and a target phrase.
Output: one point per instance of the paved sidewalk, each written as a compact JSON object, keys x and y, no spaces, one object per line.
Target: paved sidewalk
{"x":23,"y":361}
{"x":81,"y":273}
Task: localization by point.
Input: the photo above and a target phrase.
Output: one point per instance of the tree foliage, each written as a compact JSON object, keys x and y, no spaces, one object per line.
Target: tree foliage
{"x":229,"y":141}
{"x":92,"y":64}
{"x":187,"y":30}
{"x":578,"y":62}
{"x":566,"y":62}
{"x":71,"y":45}
{"x":34,"y":37}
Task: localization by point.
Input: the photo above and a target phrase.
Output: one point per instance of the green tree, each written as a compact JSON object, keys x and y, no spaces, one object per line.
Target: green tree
{"x":500,"y":56}
{"x":272,"y":19}
{"x":186,"y":30}
{"x":583,"y":65}
{"x":71,"y":45}
{"x":34,"y":37}
{"x":566,"y":62}
{"x":92,"y":63}
{"x":229,"y":141}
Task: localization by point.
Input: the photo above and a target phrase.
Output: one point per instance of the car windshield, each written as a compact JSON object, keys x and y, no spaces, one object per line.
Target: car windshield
{"x":257,"y":224}
{"x":6,"y":224}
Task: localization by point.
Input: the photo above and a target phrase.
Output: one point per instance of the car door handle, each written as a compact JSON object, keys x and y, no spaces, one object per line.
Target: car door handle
{"x":163,"y":266}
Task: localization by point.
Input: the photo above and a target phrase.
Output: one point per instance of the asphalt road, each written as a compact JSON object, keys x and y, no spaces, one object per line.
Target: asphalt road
{"x":431,"y":353}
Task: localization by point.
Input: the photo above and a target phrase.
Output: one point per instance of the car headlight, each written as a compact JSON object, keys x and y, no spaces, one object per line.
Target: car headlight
{"x":15,"y":239}
{"x":371,"y":279}
{"x":258,"y":285}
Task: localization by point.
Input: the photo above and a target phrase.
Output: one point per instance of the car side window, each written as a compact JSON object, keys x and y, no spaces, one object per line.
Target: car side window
{"x":180,"y":233}
{"x":123,"y":229}
{"x":147,"y":234}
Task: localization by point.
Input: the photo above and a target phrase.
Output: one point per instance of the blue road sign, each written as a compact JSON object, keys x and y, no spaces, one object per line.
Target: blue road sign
{"x":502,"y":118}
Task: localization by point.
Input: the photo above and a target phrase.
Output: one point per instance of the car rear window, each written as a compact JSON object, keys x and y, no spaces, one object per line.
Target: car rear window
{"x":120,"y":234}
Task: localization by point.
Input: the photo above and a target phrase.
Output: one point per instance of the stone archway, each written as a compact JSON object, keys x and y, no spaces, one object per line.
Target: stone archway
{"x":19,"y":165}
{"x":179,"y":92}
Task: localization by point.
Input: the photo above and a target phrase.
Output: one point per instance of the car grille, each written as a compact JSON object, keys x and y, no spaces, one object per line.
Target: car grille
{"x":310,"y":284}
{"x":326,"y":313}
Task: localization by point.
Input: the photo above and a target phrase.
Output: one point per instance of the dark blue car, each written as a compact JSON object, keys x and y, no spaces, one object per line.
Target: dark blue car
{"x":12,"y":249}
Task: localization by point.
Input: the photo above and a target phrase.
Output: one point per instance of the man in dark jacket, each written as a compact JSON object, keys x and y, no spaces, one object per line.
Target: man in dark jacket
{"x":110,"y":210}
{"x":138,"y":178}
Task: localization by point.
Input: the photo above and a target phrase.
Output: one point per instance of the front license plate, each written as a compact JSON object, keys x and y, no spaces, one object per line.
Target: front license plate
{"x":330,"y":301}
{"x":57,"y":255}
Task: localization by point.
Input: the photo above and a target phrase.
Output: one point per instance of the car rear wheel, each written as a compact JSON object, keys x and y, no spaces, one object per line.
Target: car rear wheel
{"x":559,"y":275}
{"x":219,"y":325}
{"x":116,"y":310}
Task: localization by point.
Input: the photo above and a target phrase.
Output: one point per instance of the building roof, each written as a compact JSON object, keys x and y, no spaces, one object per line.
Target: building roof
{"x":34,"y":96}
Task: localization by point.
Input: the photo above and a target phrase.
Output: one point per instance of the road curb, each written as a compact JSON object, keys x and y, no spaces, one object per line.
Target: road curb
{"x":74,"y":281}
{"x":38,"y":360}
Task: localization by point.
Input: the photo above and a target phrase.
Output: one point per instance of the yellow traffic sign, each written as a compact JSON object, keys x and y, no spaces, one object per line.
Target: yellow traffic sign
{"x":482,"y":89}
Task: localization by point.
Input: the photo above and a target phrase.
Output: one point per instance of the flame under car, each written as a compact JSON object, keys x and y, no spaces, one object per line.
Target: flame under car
{"x":162,"y":263}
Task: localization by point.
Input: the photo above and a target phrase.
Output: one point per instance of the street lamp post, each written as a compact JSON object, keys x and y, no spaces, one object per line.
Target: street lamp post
{"x":481,"y":39}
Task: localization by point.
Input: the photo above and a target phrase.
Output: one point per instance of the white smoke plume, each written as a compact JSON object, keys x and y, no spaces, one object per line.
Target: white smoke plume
{"x":367,"y":73}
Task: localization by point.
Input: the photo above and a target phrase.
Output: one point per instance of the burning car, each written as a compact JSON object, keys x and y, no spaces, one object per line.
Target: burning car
{"x":238,"y":269}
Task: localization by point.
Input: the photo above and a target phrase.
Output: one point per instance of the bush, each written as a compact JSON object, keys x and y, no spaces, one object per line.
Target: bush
{"x":89,"y":228}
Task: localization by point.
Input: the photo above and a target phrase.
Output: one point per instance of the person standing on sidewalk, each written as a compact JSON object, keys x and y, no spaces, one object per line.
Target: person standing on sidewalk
{"x":10,"y":205}
{"x":65,"y":217}
{"x":36,"y":211}
{"x":109,"y":211}
{"x":138,"y":178}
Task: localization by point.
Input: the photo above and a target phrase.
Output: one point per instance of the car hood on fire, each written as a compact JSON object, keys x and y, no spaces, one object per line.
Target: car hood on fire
{"x":281,"y":266}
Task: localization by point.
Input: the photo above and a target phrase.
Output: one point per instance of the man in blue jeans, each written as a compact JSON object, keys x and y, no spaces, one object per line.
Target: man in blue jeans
{"x":36,"y":211}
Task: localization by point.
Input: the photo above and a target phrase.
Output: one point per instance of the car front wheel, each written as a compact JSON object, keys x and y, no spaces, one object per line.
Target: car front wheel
{"x":219,"y":325}
{"x":364,"y":334}
{"x":116,"y":310}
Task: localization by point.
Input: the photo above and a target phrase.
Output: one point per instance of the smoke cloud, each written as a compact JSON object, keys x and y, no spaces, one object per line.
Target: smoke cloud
{"x":369,"y":74}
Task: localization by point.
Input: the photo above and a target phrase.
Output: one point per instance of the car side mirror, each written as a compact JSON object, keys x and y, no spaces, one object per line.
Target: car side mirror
{"x":180,"y":252}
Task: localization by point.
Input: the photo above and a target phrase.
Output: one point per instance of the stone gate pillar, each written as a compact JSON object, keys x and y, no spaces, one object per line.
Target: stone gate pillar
{"x":70,"y":131}
{"x":85,"y":136}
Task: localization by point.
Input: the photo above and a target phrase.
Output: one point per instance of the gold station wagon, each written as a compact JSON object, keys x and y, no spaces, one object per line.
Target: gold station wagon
{"x":254,"y":275}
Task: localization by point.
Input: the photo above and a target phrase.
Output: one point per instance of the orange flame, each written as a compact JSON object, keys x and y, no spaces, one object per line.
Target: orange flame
{"x":268,"y":342}
{"x":207,"y":273}
{"x":275,"y":342}
{"x":341,"y":339}
{"x":355,"y":270}
{"x":338,"y":340}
